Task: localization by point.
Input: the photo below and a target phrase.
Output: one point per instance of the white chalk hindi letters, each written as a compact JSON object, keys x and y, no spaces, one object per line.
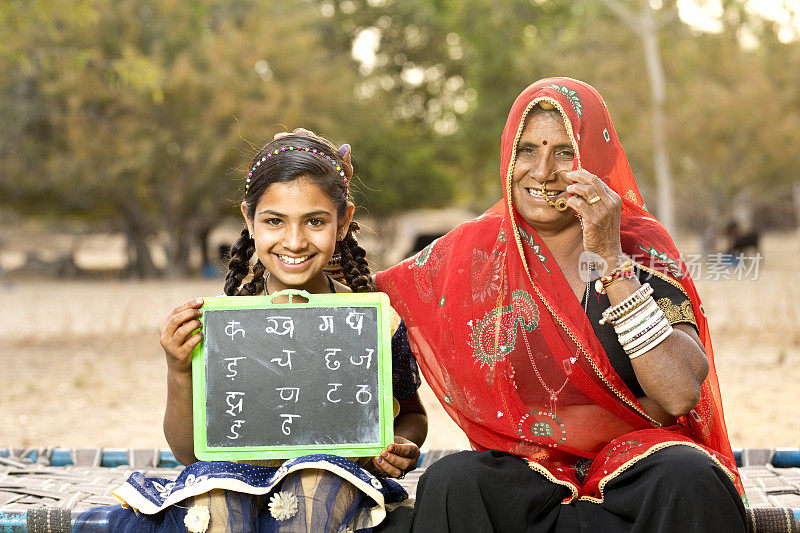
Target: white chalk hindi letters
{"x":284,"y":322}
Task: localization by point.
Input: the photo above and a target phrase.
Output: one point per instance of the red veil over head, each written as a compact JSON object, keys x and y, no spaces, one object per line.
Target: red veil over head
{"x":508,"y":349}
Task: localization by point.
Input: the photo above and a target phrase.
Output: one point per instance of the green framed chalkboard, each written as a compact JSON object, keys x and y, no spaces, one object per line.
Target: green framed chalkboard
{"x":279,"y":380}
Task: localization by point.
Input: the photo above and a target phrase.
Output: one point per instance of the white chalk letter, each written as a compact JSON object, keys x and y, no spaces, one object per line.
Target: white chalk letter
{"x":289,"y":393}
{"x":327,"y":323}
{"x":333,"y":387}
{"x":232,"y":362}
{"x":355,"y":320}
{"x":363,"y":358}
{"x":233,"y":328}
{"x":363,"y":390}
{"x":236,"y":425}
{"x":234,"y":405}
{"x":329,"y":353}
{"x":288,"y":419}
{"x":287,"y":361}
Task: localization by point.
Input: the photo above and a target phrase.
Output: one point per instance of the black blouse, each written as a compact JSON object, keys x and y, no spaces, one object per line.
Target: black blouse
{"x":669,"y":296}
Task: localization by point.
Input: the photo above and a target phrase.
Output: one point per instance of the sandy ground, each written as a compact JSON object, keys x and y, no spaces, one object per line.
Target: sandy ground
{"x":80,"y":363}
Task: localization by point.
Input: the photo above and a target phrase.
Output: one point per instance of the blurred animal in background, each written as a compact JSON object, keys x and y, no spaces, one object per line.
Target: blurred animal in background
{"x":740,"y":241}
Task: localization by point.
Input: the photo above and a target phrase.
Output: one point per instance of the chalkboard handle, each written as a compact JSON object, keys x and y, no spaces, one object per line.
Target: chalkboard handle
{"x":290,"y":293}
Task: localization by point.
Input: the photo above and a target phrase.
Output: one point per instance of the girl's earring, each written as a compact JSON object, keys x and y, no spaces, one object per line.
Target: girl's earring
{"x":334,"y":266}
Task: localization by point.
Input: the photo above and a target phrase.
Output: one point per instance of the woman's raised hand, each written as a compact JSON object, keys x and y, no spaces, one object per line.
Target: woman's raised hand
{"x":599,"y":209}
{"x":344,"y":150}
{"x":398,"y":458}
{"x":178,"y":335}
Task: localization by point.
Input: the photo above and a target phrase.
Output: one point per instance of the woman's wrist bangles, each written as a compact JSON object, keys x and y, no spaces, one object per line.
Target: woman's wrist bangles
{"x":631,"y":303}
{"x":639,"y":322}
{"x":623,"y":271}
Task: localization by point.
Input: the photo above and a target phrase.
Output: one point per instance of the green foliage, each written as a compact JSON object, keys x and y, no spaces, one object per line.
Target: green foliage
{"x":143,"y":114}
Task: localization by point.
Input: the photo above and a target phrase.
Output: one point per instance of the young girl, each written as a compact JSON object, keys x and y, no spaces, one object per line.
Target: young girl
{"x":297,"y":214}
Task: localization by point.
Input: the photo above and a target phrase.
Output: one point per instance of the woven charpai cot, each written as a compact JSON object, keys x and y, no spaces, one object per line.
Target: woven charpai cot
{"x":44,"y":490}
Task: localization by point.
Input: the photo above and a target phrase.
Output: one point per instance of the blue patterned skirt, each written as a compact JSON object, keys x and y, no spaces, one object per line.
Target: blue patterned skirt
{"x":311,"y":493}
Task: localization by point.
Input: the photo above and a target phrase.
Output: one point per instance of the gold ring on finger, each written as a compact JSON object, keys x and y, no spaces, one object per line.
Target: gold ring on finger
{"x":593,"y":200}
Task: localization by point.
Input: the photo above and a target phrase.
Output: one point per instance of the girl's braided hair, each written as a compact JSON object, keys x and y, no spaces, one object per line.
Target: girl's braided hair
{"x":284,"y":167}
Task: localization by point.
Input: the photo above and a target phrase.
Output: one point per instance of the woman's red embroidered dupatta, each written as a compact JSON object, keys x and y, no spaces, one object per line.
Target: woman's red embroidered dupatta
{"x":508,"y":349}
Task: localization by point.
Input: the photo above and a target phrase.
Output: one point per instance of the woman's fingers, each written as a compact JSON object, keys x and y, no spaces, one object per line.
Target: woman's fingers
{"x":584,"y":191}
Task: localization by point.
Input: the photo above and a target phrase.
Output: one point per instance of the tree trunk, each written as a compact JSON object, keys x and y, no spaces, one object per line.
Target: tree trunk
{"x":645,"y":25}
{"x":178,"y":249}
{"x":655,"y":71}
{"x":140,"y":260}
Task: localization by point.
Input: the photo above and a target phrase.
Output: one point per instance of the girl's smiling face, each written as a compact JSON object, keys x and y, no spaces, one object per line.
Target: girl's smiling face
{"x":295,"y":228}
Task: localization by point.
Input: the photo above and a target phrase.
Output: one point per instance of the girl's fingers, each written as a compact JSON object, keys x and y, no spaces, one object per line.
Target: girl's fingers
{"x":185,"y":331}
{"x":387,"y":467}
{"x":193,"y":341}
{"x":181,"y":314}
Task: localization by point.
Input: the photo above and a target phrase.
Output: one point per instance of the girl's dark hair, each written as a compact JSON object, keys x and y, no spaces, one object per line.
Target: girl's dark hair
{"x":282,"y":168}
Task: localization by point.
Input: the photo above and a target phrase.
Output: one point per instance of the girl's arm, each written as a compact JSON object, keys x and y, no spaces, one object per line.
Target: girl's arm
{"x":410,"y":430}
{"x":178,"y":424}
{"x":178,"y":338}
{"x":412,"y":421}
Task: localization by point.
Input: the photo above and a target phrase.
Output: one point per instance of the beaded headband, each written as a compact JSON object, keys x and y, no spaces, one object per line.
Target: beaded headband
{"x":314,"y":151}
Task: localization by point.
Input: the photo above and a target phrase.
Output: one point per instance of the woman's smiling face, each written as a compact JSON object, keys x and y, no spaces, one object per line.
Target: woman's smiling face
{"x":544,"y":148}
{"x":295,"y":229}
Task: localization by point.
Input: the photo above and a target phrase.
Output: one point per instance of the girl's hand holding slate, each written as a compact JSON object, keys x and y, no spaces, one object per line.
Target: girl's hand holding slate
{"x":398,"y":458}
{"x":180,"y":334}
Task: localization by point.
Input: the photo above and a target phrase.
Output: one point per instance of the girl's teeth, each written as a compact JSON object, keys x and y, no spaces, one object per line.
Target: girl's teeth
{"x":292,"y":260}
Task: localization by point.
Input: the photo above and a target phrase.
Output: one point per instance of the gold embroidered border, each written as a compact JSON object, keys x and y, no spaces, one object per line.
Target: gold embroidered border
{"x":677,"y":313}
{"x":533,"y":465}
{"x":650,"y":451}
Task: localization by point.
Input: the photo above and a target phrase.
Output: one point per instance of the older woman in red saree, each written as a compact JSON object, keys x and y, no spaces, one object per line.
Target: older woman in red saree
{"x":562,"y":332}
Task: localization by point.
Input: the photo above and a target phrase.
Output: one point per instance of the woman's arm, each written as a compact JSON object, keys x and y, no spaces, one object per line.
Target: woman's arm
{"x":670,"y":373}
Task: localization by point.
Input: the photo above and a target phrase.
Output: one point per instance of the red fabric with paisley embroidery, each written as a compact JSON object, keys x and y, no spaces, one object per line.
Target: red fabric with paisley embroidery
{"x":509,"y":350}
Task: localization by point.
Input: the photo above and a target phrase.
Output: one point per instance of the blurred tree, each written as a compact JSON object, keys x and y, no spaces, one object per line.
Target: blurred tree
{"x":137,"y":110}
{"x":737,"y":123}
{"x":138,"y":113}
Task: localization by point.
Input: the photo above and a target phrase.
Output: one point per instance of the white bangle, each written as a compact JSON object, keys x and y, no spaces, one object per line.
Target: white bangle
{"x":649,"y":334}
{"x":649,"y":310}
{"x":647,"y":305}
{"x":655,"y":342}
{"x":655,"y":321}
